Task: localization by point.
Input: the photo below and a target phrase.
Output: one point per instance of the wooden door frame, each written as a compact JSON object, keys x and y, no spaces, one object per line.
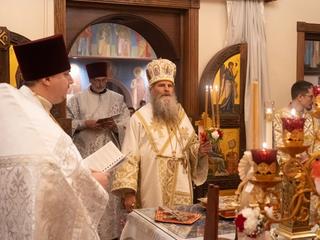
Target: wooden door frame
{"x":305,"y":31}
{"x":189,"y":51}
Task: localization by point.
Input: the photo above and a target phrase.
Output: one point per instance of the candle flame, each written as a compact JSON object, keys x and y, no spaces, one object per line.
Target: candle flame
{"x":207,"y":88}
{"x":268,"y":110}
{"x":264,"y":145}
{"x":293,"y":112}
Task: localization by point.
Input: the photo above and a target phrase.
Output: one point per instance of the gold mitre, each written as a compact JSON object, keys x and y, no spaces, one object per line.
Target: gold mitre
{"x":160,"y":70}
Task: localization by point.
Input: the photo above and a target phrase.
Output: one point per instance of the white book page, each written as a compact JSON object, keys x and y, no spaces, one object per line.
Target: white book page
{"x":105,"y":158}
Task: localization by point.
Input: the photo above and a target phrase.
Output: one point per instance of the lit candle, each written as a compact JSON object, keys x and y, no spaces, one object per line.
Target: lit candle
{"x":293,"y":113}
{"x":212,"y":107}
{"x":269,"y":119}
{"x":264,"y":145}
{"x":264,"y":155}
{"x":266,"y":165}
{"x":293,"y":129}
{"x":206,"y":100}
{"x":216,"y":89}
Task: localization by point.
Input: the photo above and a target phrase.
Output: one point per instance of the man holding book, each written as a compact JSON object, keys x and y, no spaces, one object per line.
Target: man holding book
{"x":164,"y":154}
{"x":46,"y":191}
{"x":99,"y":115}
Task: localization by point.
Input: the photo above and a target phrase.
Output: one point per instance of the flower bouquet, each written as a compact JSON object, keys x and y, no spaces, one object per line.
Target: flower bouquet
{"x":250,"y":221}
{"x":214,"y":135}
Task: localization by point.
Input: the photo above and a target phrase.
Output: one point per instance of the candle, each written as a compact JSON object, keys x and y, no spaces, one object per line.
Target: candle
{"x":206,"y":100}
{"x":216,"y":89}
{"x":212,"y":107}
{"x":269,"y":105}
{"x":266,"y":165}
{"x":255,"y":114}
{"x":264,"y":155}
{"x":293,"y":129}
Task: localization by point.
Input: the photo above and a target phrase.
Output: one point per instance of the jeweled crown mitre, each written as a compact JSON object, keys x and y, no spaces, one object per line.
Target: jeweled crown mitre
{"x":161,"y":69}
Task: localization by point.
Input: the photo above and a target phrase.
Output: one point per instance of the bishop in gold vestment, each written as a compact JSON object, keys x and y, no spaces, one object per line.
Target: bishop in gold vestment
{"x":164,"y":154}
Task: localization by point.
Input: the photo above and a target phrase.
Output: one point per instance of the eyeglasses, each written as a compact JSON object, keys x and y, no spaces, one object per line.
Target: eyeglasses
{"x":308,"y":95}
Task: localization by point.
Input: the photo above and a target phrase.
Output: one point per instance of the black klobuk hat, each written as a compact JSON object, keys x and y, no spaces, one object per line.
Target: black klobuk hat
{"x":97,"y":69}
{"x":42,"y":58}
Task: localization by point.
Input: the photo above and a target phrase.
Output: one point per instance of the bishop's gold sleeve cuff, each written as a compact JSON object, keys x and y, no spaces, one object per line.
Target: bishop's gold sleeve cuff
{"x":126,"y":176}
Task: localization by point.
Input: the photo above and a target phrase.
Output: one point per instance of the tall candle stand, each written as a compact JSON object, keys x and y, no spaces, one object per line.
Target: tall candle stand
{"x":295,"y":210}
{"x":295,"y":206}
{"x":290,"y":207}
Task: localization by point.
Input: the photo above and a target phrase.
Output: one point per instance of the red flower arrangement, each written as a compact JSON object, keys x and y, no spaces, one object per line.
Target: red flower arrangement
{"x":250,"y":221}
{"x":214,"y":135}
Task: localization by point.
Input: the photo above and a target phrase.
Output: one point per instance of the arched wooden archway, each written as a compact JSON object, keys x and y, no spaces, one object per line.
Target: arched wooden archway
{"x":229,"y":120}
{"x":171,"y":27}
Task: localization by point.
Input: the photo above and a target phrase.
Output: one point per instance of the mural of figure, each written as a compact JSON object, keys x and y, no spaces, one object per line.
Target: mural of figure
{"x":229,"y":87}
{"x":142,"y":46}
{"x":124,"y":45}
{"x":84,"y":42}
{"x":217,"y":162}
{"x":104,"y":42}
{"x":232,"y":157}
{"x":138,"y":90}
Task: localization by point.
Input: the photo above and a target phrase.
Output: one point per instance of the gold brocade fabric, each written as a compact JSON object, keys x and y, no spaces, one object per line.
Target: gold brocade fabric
{"x":163,"y":161}
{"x":169,"y":173}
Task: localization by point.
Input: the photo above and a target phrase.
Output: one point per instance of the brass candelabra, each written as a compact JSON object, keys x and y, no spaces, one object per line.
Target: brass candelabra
{"x":283,"y":190}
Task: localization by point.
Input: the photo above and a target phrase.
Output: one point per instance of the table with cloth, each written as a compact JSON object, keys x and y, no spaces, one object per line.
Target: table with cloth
{"x":141,"y":225}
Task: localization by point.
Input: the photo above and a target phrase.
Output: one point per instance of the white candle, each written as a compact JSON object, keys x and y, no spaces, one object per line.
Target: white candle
{"x":268,"y":121}
{"x":216,"y":89}
{"x":255,"y":113}
{"x":212,"y":107}
{"x":269,"y":133}
{"x":206,"y":100}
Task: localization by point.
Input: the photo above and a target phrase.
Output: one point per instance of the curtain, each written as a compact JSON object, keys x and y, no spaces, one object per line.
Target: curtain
{"x":246,"y":24}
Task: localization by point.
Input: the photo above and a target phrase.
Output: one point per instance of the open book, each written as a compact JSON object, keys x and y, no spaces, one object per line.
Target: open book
{"x":105,"y":159}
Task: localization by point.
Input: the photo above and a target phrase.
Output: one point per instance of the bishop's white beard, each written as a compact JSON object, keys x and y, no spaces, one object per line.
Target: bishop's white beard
{"x":165,"y":109}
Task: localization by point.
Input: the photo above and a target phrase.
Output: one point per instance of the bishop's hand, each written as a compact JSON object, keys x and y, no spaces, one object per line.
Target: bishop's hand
{"x":129,"y":201}
{"x":205,"y":148}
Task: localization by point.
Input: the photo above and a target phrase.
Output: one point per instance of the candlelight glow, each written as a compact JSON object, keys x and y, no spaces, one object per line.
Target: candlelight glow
{"x":268,"y":110}
{"x":264,"y":145}
{"x":293,"y":112}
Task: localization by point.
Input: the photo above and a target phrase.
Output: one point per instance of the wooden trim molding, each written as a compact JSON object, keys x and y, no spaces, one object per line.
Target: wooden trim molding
{"x":308,"y":27}
{"x":170,"y":26}
{"x":60,"y":17}
{"x":305,"y":31}
{"x":181,"y":4}
{"x":8,"y":38}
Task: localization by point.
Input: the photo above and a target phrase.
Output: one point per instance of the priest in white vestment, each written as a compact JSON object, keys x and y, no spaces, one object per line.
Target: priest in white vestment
{"x":165,"y":157}
{"x":85,"y":109}
{"x":45,"y":191}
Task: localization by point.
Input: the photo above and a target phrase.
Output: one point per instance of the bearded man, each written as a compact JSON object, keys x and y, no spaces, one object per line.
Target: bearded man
{"x":164,"y":154}
{"x":89,"y":134}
